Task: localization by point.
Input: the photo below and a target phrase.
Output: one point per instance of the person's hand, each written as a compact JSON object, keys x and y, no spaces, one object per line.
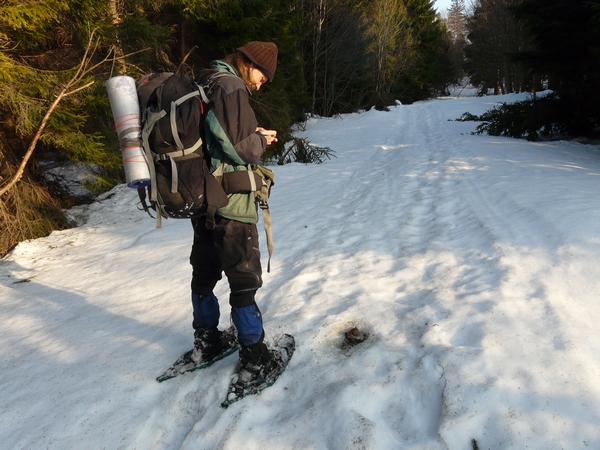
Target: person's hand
{"x":270,"y":135}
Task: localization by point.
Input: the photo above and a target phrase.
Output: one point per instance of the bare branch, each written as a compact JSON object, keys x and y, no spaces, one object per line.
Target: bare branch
{"x":187,"y":55}
{"x":68,"y":89}
{"x":81,"y":88}
{"x":19,"y":173}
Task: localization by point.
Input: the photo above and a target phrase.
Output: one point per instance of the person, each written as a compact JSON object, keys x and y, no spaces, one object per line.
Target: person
{"x":234,"y":142}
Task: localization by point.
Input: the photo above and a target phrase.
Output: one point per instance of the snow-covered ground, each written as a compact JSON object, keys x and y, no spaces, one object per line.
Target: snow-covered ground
{"x":470,"y":261}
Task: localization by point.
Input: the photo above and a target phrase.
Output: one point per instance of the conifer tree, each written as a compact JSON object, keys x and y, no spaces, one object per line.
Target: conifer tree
{"x":432,"y":70}
{"x":567,"y":54}
{"x":216,"y":30}
{"x":40,"y":110}
{"x":40,"y":56}
{"x":456,"y":23}
{"x":495,"y":36}
{"x":391,"y":45}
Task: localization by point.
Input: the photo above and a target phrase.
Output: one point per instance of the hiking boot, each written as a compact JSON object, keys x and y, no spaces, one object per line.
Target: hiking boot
{"x":257,"y":361}
{"x":207,"y":344}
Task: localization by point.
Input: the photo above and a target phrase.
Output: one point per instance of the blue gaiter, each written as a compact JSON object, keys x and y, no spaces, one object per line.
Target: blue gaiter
{"x":206,"y":312}
{"x":249,"y":324}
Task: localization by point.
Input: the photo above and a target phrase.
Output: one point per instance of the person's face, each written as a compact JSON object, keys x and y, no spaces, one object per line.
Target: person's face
{"x":257,"y":78}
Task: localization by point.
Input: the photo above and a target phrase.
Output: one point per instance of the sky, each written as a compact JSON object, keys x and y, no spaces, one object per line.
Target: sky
{"x":442,"y":5}
{"x":470,"y":263}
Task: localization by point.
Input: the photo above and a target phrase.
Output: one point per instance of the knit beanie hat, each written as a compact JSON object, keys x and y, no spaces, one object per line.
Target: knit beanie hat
{"x":263,"y":55}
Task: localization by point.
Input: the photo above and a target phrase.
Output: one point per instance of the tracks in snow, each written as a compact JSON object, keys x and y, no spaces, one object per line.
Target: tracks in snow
{"x":409,"y":227}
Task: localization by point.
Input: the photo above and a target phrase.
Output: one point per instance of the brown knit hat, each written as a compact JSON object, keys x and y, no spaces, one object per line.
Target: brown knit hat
{"x":263,"y":55}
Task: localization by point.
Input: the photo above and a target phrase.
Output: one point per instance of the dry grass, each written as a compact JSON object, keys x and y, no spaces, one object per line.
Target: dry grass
{"x":27,"y":211}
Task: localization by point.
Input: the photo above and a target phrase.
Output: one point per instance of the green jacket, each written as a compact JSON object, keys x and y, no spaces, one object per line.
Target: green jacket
{"x":231,"y":137}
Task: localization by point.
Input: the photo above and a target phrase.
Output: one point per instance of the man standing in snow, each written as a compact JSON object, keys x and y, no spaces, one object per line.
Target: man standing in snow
{"x":234,"y":141}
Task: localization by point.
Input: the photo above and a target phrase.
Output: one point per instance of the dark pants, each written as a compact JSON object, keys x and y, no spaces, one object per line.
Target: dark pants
{"x":232,"y":247}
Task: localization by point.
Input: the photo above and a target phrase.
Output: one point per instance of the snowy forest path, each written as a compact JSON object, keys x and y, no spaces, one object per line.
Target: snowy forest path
{"x":469,"y":265}
{"x":438,"y":249}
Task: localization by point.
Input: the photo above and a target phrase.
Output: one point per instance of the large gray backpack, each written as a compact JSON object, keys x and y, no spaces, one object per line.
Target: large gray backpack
{"x":181,"y":186}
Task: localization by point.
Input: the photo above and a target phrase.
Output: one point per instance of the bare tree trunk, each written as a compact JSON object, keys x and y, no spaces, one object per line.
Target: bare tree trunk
{"x":318,"y":21}
{"x":387,"y":28}
{"x":120,"y":66}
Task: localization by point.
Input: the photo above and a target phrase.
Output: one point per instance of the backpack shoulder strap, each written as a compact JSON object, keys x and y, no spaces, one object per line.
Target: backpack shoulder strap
{"x":207,"y":84}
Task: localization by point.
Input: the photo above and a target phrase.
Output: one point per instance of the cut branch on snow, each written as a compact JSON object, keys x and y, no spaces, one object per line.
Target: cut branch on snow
{"x":305,"y":152}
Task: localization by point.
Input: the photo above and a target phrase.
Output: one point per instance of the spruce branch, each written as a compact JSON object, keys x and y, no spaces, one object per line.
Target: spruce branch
{"x":71,"y":87}
{"x":304,"y":152}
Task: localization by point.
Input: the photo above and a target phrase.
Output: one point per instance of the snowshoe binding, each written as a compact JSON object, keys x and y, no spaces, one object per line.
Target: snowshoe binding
{"x":210,"y":346}
{"x":260,"y":368}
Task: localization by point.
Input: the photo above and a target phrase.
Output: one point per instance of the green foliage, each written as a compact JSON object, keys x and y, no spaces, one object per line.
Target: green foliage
{"x":24,"y":23}
{"x":339,"y":72}
{"x":432,"y":70}
{"x":468,"y":117}
{"x":410,"y":50}
{"x":218,"y":29}
{"x":529,"y":119}
{"x":66,"y":127}
{"x":138,"y":32}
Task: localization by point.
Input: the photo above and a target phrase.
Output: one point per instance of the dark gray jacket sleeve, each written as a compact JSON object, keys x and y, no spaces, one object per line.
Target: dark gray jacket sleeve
{"x":237,"y":122}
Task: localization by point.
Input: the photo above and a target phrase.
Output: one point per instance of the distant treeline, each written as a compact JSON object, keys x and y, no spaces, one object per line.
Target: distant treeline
{"x":507,"y":46}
